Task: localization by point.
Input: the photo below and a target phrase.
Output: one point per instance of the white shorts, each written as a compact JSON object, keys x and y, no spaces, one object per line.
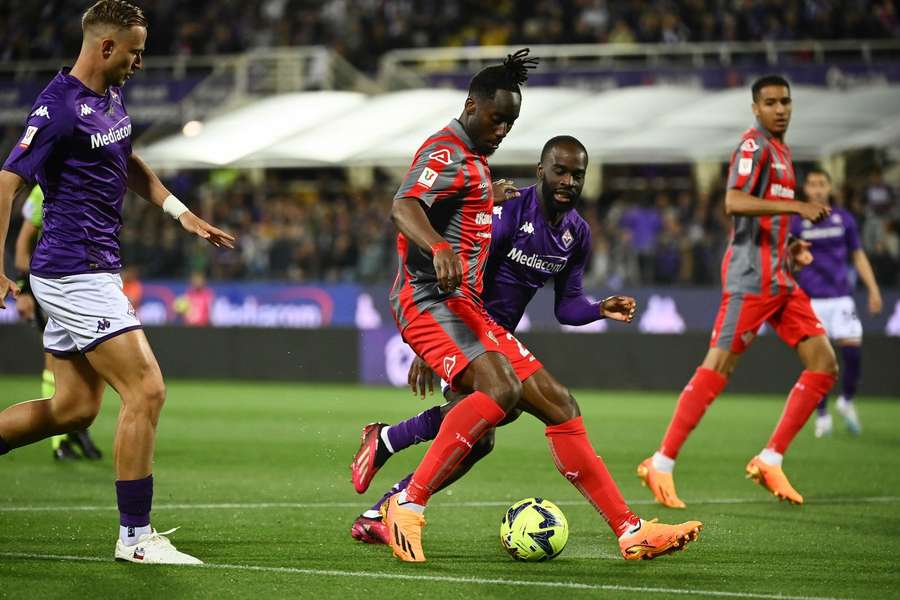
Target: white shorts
{"x":838,"y":315}
{"x":82,"y":311}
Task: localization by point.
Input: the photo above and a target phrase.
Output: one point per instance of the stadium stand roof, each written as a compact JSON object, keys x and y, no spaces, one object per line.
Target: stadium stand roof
{"x":623,"y":125}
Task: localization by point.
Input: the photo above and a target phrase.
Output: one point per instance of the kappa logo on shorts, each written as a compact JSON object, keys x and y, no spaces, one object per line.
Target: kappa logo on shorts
{"x":492,"y":337}
{"x":449,"y":365}
{"x":747,"y":337}
{"x":103,"y":325}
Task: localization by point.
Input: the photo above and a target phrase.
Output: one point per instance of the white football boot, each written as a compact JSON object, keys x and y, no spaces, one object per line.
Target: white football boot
{"x":848,"y":411}
{"x":824,"y":425}
{"x":154,"y":549}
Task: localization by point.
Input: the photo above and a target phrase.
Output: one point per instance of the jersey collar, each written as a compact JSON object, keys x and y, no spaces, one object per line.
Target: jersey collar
{"x":459,"y":131}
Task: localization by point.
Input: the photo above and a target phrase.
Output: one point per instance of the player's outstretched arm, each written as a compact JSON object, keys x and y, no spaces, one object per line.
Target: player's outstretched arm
{"x":410,"y":218}
{"x":738,"y":202}
{"x":145,"y":183}
{"x":864,"y":268}
{"x":9,"y":185}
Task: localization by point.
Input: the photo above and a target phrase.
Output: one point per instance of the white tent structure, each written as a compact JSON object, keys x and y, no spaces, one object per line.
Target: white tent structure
{"x":650,"y":124}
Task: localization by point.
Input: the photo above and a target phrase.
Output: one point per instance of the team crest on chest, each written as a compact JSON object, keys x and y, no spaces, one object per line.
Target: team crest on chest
{"x":567,"y":238}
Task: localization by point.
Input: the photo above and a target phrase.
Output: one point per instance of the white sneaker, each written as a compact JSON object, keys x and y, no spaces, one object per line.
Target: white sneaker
{"x":824,"y":425}
{"x":154,"y":549}
{"x":848,"y":411}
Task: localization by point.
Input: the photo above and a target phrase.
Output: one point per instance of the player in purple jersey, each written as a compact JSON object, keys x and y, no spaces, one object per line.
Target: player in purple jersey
{"x":835,"y":245}
{"x":77,"y":146}
{"x":535,"y":237}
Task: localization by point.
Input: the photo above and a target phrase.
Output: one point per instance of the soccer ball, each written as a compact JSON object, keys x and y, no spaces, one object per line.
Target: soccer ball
{"x":533,"y":530}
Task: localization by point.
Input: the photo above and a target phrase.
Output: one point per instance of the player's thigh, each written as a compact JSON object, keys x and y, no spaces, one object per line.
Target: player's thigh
{"x":738,"y":320}
{"x":78,"y":385}
{"x":547,"y":399}
{"x":492,"y":374}
{"x":721,"y":361}
{"x":127,"y":363}
{"x":817,"y":354}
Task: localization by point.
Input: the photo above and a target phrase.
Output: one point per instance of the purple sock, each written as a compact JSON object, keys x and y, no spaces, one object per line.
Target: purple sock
{"x":822,"y":406}
{"x":400,"y":485}
{"x":852,"y":356}
{"x":135,"y":497}
{"x":420,"y":428}
{"x":4,"y":447}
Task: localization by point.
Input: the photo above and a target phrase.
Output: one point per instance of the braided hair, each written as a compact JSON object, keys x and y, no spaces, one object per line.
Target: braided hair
{"x":508,"y":76}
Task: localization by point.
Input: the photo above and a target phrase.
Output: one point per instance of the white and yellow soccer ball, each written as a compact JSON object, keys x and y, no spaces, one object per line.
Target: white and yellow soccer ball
{"x":533,"y":530}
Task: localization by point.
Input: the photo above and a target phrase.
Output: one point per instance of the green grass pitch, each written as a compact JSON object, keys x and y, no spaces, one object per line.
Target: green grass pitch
{"x":256,"y":476}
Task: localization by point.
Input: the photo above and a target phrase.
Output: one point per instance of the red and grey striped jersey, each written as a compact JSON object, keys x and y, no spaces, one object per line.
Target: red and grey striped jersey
{"x":452,"y":182}
{"x":756,"y":261}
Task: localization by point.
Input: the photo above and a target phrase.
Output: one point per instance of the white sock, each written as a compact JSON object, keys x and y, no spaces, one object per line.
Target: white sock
{"x":770,"y":457}
{"x":663,"y":463}
{"x":634,"y":529}
{"x":401,"y":500}
{"x":131,"y":535}
{"x":385,"y":440}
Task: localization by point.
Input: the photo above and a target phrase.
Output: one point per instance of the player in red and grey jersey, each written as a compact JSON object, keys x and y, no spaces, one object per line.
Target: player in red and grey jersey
{"x":444,"y":213}
{"x":757,"y":288}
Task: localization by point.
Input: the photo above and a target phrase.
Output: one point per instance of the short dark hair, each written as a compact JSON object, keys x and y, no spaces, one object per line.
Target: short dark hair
{"x":117,"y":13}
{"x":508,"y":76}
{"x":818,"y":171}
{"x":559,"y":140}
{"x":767,"y":80}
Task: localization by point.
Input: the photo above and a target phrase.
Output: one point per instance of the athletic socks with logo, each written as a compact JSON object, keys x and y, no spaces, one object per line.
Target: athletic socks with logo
{"x":696,"y":397}
{"x":421,"y":428}
{"x":134,"y":497}
{"x":578,"y":462}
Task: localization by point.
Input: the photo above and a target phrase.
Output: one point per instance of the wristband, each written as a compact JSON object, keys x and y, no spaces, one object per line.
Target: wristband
{"x":173,"y":207}
{"x":444,"y":245}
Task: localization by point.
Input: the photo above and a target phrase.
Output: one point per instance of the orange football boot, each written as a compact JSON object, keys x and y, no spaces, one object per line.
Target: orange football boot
{"x":656,"y":539}
{"x":660,"y":483}
{"x":404,"y":530}
{"x":773,"y":479}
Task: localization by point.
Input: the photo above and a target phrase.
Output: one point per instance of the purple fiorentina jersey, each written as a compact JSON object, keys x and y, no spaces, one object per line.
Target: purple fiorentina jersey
{"x":833,"y":240}
{"x":526,"y":251}
{"x":76,"y":147}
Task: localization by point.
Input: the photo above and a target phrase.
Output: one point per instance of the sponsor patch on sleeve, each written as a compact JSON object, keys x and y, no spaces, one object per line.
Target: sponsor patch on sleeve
{"x":745,"y":166}
{"x":29,"y":135}
{"x":428,"y":177}
{"x":749,"y":145}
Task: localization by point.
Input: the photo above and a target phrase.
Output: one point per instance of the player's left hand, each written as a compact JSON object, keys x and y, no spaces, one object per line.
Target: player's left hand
{"x":504,"y":189}
{"x":201,"y":228}
{"x":874,"y":302}
{"x":7,"y":286}
{"x":800,"y":253}
{"x":619,"y":308}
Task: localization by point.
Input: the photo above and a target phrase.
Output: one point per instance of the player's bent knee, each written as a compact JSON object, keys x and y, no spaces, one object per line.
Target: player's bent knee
{"x":76,"y":415}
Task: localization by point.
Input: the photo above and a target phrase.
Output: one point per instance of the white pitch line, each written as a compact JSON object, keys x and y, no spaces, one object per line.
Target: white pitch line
{"x":445,"y":579}
{"x":473,"y":504}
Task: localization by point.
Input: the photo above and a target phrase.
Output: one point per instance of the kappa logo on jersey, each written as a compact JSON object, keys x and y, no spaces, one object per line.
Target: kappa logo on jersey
{"x":498,"y":210}
{"x":449,"y":365}
{"x":749,"y":145}
{"x":483,"y":218}
{"x":428,"y":177}
{"x":86,"y":110}
{"x":29,"y":135}
{"x":527,"y":227}
{"x":567,"y":238}
{"x":745,"y":166}
{"x":442,"y":155}
{"x":41,"y":111}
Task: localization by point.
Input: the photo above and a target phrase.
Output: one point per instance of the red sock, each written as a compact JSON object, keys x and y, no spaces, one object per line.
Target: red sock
{"x":576,"y":459}
{"x":696,"y":397}
{"x":461,"y":428}
{"x":806,"y":393}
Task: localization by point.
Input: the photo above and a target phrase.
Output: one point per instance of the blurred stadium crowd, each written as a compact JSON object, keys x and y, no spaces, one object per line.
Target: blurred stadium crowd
{"x":329,"y":231}
{"x":362,"y":30}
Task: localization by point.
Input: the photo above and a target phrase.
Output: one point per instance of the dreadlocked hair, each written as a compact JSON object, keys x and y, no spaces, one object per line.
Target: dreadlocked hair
{"x":508,"y":76}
